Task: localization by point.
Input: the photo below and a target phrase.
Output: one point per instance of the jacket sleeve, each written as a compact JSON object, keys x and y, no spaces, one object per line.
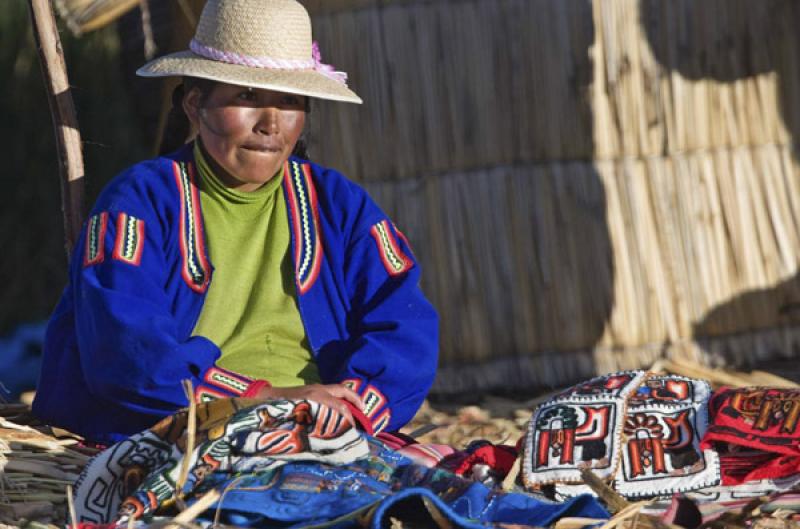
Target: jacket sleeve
{"x":394,"y":328}
{"x":133,"y":350}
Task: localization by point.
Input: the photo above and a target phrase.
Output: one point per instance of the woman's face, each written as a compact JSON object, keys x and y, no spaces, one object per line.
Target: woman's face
{"x":248,"y":133}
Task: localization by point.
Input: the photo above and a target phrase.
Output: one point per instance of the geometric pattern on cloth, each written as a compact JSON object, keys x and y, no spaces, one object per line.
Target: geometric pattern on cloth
{"x":130,"y":239}
{"x":370,"y":491}
{"x":303,"y":207}
{"x":394,"y":260}
{"x":366,"y":492}
{"x":763,"y":424}
{"x":641,"y":429}
{"x":195,"y":271}
{"x":204,"y":394}
{"x":95,"y":239}
{"x":138,"y":476}
{"x":373,"y":400}
{"x":578,"y":428}
{"x":227,"y":380}
{"x":374,"y":404}
{"x":764,"y":418}
{"x":665,"y":422}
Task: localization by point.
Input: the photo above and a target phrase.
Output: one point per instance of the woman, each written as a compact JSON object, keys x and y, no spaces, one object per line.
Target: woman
{"x":313,"y":293}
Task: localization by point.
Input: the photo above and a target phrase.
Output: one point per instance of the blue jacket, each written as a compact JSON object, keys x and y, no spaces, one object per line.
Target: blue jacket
{"x":120,"y":340}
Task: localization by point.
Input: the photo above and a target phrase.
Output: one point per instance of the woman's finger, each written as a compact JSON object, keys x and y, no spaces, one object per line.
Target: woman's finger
{"x":347,"y":394}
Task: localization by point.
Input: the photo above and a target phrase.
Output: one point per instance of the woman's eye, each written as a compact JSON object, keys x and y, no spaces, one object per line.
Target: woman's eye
{"x":248,"y":95}
{"x":290,"y":100}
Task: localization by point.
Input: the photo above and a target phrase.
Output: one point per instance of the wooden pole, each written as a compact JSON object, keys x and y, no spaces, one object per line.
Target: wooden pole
{"x":65,"y":121}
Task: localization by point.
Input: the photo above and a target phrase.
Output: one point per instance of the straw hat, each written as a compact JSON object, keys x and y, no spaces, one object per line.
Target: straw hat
{"x":257,"y":43}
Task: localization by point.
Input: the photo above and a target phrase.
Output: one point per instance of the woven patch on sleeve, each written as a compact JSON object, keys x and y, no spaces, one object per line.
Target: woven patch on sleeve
{"x":373,"y":400}
{"x":130,"y":239}
{"x":393,"y":258}
{"x":205,"y":394}
{"x":95,"y":239}
{"x":229,"y":381}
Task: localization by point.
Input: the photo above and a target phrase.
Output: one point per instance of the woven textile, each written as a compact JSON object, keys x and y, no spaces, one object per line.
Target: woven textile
{"x":370,"y":491}
{"x":138,"y":476}
{"x":757,"y":433}
{"x":639,"y":429}
{"x":294,"y":464}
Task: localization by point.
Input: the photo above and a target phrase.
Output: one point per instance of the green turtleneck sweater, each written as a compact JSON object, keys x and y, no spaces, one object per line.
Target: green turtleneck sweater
{"x":251,"y":309}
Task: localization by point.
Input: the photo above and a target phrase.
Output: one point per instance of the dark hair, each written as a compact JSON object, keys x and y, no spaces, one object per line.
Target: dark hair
{"x":178,"y":127}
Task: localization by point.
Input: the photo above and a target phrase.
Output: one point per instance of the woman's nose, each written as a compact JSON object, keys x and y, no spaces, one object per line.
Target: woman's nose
{"x":268,"y":120}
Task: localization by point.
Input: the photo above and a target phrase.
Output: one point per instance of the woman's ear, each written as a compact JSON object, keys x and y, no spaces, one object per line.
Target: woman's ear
{"x":191,"y":106}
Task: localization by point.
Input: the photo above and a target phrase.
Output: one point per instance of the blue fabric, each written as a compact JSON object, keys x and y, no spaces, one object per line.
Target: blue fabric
{"x":21,"y":359}
{"x":119,"y":341}
{"x":368,"y":492}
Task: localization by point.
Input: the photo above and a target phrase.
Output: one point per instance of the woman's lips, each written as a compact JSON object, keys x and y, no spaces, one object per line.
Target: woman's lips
{"x":263,"y":147}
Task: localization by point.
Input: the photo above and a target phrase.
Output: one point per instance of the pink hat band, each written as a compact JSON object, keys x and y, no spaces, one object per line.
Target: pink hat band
{"x":315,"y":63}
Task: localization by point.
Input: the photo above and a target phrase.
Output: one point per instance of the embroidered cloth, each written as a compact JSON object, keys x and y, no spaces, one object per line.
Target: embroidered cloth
{"x":639,"y":429}
{"x":294,"y":464}
{"x":756,"y":433}
{"x":140,"y":475}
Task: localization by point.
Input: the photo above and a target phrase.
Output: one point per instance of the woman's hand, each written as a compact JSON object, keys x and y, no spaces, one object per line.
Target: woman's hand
{"x":331,"y":395}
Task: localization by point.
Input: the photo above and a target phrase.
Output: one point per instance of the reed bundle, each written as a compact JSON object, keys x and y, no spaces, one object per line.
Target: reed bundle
{"x":35,"y":470}
{"x":87,"y":15}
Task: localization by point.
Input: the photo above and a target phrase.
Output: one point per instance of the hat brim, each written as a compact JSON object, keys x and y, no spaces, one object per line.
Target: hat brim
{"x":302,"y":82}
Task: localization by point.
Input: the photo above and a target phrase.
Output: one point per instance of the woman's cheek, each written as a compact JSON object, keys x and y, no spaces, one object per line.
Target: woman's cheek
{"x":233,"y":121}
{"x":294,"y":122}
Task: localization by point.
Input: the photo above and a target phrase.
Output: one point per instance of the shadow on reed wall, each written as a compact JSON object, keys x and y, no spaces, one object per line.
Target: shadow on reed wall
{"x":730,"y":41}
{"x":477,"y":137}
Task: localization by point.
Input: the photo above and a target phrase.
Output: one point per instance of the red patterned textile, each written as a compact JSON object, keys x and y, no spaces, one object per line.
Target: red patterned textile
{"x":756,"y":432}
{"x":498,"y":458}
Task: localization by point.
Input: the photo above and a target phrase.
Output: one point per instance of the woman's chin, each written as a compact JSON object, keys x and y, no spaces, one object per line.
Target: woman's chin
{"x":256,"y":179}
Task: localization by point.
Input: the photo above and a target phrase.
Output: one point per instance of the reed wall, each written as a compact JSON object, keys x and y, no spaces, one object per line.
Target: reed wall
{"x":589,"y":185}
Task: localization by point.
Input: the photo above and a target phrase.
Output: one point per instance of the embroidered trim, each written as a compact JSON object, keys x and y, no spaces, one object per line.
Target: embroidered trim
{"x":130,"y":239}
{"x":394,"y":260}
{"x":305,"y":219}
{"x":382,"y":421}
{"x":195,"y":266}
{"x":373,"y":401}
{"x":95,"y":239}
{"x":352,"y":383}
{"x":227,"y":380}
{"x":204,"y":394}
